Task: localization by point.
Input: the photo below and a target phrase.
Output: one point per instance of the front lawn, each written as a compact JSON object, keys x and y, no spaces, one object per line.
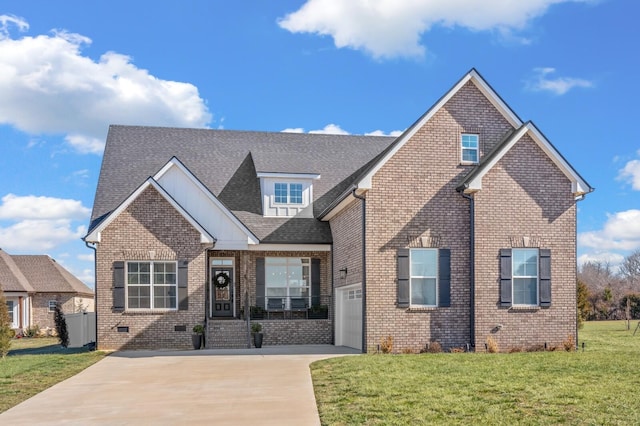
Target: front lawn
{"x":597,"y":386}
{"x":35,"y":364}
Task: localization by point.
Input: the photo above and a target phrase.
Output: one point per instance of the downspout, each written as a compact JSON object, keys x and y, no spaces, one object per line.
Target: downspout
{"x":472,"y":267}
{"x":364,"y":269}
{"x":579,"y":198}
{"x":95,"y":290}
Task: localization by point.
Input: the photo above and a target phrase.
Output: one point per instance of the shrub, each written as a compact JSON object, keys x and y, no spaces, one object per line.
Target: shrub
{"x":434,"y":347}
{"x":516,"y":349}
{"x":33,"y":331}
{"x":256,"y":327}
{"x":61,"y":327}
{"x":386,"y":345}
{"x":569,"y":344}
{"x":457,"y":350}
{"x":198,"y":329}
{"x":492,"y":345}
{"x":6,"y":333}
{"x":408,"y":351}
{"x":536,"y":348}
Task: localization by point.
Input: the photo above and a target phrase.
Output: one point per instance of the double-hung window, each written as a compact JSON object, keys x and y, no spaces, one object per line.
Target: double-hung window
{"x":10,"y":309}
{"x":288,"y":193}
{"x":52,"y":305}
{"x":525,"y":276}
{"x":287,"y":277}
{"x":424,"y":277}
{"x":470,"y":149}
{"x":151,"y":285}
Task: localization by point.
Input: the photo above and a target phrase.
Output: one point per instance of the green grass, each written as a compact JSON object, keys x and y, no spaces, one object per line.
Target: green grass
{"x":598,"y":386}
{"x":34,"y":365}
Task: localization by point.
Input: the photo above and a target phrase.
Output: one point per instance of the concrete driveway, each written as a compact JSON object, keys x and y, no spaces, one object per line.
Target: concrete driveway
{"x":268,"y":386}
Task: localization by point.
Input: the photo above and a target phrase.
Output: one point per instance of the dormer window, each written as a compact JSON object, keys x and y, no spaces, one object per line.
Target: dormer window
{"x":286,"y":194}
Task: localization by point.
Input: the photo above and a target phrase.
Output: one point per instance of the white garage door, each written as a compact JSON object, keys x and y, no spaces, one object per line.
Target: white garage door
{"x":349,"y":316}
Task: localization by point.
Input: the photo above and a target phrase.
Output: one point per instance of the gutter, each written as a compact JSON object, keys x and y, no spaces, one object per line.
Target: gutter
{"x":472,"y":266}
{"x":364,"y":268}
{"x":95,"y":290}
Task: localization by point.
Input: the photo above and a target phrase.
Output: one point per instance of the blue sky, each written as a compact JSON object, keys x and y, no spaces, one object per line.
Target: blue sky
{"x":69,"y":69}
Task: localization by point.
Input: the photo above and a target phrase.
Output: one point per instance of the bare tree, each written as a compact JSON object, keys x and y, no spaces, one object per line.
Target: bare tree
{"x":630,"y":269}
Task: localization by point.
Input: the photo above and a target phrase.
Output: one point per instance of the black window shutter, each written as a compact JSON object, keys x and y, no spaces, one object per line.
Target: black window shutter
{"x":403,"y":278}
{"x":545,"y":277}
{"x":444,"y":278}
{"x":183,"y":280}
{"x":315,"y":282}
{"x":260,"y":282}
{"x":505,"y":277}
{"x":118,"y":286}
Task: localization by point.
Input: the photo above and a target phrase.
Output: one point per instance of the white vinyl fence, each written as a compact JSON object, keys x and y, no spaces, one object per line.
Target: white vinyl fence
{"x":81,"y":328}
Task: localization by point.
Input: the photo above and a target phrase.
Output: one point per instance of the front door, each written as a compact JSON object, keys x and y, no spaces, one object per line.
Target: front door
{"x":221,"y":290}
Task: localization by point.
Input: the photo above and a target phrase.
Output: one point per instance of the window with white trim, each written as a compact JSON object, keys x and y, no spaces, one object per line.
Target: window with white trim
{"x":52,"y":305}
{"x":287,"y":193}
{"x":10,"y":309}
{"x":287,"y":277}
{"x":470,"y":148}
{"x":525,"y":276}
{"x":424,"y":277}
{"x":152,"y":285}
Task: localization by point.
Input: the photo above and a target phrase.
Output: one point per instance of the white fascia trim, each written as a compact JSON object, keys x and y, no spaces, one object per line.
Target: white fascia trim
{"x":492,"y":96}
{"x":95,"y":235}
{"x":175,"y":162}
{"x":290,"y":247}
{"x":578,"y":185}
{"x":288,"y":175}
{"x":338,"y":208}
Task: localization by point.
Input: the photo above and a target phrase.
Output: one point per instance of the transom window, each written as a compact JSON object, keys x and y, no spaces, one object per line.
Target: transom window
{"x":288,"y":193}
{"x":469,"y":148}
{"x":287,"y":277}
{"x":424,"y":277}
{"x":525,"y":276}
{"x":151,"y":285}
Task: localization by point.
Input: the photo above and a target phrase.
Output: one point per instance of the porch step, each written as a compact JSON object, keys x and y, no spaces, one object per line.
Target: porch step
{"x":226,"y":334}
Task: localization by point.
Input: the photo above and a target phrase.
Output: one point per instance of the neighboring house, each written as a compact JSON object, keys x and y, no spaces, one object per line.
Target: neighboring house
{"x":34,"y":285}
{"x":463,"y":227}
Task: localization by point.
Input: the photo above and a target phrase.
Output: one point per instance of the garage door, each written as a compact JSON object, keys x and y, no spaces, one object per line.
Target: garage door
{"x":349,"y":316}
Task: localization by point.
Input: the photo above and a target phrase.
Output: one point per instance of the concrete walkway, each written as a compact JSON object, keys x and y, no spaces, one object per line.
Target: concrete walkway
{"x":268,"y":386}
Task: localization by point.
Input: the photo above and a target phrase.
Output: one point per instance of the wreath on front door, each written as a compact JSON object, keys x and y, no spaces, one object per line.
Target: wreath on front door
{"x":221,"y":280}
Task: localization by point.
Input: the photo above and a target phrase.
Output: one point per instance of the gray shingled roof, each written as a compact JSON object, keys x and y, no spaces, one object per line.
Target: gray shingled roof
{"x":11,"y":278}
{"x":226,"y":162}
{"x":47,"y":276}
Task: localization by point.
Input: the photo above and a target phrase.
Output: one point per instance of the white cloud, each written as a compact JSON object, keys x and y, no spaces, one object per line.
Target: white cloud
{"x":541,"y":81}
{"x":630,"y":173}
{"x":86,"y":257}
{"x":620,"y":232}
{"x":293,"y":130}
{"x":612,"y":259}
{"x":39,"y":235}
{"x":330,"y":129}
{"x":394,"y":133}
{"x":48,"y":86}
{"x":39,"y":208}
{"x":389,"y":28}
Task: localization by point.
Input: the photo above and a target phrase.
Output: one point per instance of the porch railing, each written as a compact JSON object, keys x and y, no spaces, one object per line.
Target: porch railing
{"x":281,"y":307}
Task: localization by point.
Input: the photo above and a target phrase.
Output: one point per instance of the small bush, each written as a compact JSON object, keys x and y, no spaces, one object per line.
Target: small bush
{"x":457,"y":350}
{"x":492,"y":345}
{"x":516,"y":349}
{"x":61,"y":327}
{"x":6,"y":333}
{"x":256,"y":327}
{"x":386,"y":345}
{"x":434,"y":347}
{"x":569,"y":344}
{"x":408,"y":351}
{"x":33,"y":331}
{"x":536,"y":348}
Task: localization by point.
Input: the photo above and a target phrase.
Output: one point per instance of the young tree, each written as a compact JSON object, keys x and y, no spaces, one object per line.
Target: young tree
{"x":583,"y":302}
{"x":61,"y":327}
{"x":5,"y":327}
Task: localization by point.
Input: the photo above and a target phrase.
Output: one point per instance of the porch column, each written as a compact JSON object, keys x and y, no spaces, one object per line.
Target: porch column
{"x":20,"y":312}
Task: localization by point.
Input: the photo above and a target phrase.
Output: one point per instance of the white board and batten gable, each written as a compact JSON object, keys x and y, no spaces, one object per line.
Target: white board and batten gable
{"x":286,"y":194}
{"x":204,"y":207}
{"x":216,"y":224}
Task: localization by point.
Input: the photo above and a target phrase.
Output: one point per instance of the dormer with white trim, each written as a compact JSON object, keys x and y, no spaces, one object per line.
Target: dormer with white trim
{"x":286,"y":194}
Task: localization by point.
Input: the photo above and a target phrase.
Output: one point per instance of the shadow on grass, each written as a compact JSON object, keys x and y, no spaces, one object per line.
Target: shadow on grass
{"x":49,"y":349}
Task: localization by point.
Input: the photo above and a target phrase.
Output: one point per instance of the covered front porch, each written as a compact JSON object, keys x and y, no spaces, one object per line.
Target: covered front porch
{"x":288,"y":292}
